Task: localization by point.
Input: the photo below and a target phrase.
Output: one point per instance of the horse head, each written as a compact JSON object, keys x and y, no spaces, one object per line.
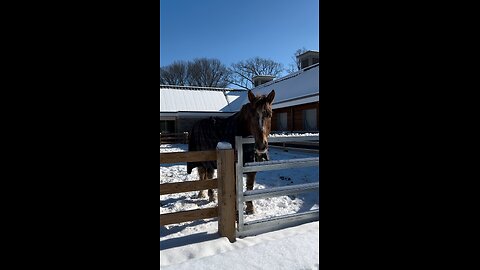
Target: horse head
{"x":260,"y":119}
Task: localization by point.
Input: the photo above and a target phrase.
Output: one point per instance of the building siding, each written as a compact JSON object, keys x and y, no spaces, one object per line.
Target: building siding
{"x":295,"y":116}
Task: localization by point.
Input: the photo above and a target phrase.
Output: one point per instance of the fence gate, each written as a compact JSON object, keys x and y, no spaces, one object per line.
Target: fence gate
{"x":274,"y":223}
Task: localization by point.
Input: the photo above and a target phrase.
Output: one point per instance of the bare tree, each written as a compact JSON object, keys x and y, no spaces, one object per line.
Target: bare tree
{"x":296,"y":64}
{"x":244,"y":71}
{"x":174,"y":74}
{"x":208,"y":73}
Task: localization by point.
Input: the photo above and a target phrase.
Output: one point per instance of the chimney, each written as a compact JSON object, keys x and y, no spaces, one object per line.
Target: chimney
{"x":261,"y":79}
{"x":308,"y":58}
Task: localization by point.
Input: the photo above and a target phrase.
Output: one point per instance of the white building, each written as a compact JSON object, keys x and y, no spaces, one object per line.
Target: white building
{"x":295,"y":107}
{"x":182,"y":106}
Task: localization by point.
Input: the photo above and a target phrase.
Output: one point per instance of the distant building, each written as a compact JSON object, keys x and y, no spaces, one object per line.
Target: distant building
{"x":308,"y":58}
{"x":182,"y":106}
{"x":296,"y":103}
{"x":261,"y":79}
{"x":295,"y":107}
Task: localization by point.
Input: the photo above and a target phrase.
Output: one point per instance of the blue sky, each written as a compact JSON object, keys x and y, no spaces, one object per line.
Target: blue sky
{"x":235,"y":30}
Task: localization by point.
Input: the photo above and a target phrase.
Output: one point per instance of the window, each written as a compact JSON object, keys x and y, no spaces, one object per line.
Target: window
{"x":282,"y":121}
{"x":305,"y":63}
{"x":167,"y":126}
{"x":310,"y":120}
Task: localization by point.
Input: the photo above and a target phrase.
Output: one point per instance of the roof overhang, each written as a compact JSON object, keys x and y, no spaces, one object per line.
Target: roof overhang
{"x":173,"y":115}
{"x":296,"y":101}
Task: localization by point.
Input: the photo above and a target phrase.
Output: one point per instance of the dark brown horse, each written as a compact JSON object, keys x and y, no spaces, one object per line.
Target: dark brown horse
{"x":254,"y":119}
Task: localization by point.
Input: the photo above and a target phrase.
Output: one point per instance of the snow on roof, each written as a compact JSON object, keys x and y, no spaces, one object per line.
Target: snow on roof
{"x":300,"y":87}
{"x":199,"y":99}
{"x":296,"y":88}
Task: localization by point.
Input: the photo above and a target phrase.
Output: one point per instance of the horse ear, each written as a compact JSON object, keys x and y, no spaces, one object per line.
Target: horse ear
{"x":251,"y":96}
{"x":271,"y":96}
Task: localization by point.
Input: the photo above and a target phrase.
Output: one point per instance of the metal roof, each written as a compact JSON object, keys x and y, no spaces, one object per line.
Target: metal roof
{"x":300,"y":87}
{"x":199,"y":99}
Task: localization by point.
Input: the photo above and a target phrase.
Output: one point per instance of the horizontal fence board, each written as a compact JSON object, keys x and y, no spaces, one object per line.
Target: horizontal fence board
{"x":293,"y":139}
{"x":293,"y":163}
{"x":284,"y":139}
{"x":172,"y":139}
{"x":279,"y":191}
{"x":306,"y":150}
{"x":281,"y":161}
{"x":190,"y":215}
{"x":311,"y":143}
{"x":190,"y":156}
{"x":173,"y":135}
{"x":172,"y":188}
{"x":277,"y":223}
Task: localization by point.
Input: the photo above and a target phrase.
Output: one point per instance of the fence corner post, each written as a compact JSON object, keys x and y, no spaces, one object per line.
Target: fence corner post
{"x":226,"y":191}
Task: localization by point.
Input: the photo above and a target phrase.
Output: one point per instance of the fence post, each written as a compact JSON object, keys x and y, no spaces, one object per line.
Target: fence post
{"x":226,"y":191}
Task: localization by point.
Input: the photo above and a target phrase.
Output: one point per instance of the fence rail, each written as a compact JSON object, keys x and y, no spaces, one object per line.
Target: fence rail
{"x":284,"y":139}
{"x":279,"y":191}
{"x":225,"y":184}
{"x":169,"y":138}
{"x":188,"y":215}
{"x":172,"y":188}
{"x":280,"y":164}
{"x":174,"y":157}
{"x":277,"y":223}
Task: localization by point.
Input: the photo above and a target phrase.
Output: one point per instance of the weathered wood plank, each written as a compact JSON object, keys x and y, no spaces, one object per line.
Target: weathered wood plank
{"x":226,"y":194}
{"x":188,"y":156}
{"x":178,"y":217}
{"x":172,"y":188}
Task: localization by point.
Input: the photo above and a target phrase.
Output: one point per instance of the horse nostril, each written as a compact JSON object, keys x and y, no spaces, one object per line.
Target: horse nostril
{"x":262,"y":148}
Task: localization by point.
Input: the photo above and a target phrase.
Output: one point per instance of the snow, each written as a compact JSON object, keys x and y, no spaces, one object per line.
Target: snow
{"x":199,"y":99}
{"x":224,"y":145}
{"x":197,"y":245}
{"x":293,"y":134}
{"x":293,"y":248}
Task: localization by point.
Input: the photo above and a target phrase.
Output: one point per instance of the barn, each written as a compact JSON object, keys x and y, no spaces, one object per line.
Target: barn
{"x":296,"y":104}
{"x":295,"y":107}
{"x":182,"y":106}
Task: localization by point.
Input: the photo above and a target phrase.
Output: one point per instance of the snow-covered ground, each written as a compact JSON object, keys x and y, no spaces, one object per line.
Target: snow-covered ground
{"x":197,"y":245}
{"x":289,"y":134}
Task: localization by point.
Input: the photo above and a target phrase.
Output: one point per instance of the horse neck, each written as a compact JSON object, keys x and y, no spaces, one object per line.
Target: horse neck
{"x":243,"y":125}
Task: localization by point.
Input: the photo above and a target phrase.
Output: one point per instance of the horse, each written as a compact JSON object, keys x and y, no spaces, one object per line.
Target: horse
{"x":253,"y":119}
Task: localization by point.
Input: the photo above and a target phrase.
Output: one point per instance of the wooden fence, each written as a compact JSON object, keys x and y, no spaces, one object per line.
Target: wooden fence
{"x":168,"y":138}
{"x":225,"y":184}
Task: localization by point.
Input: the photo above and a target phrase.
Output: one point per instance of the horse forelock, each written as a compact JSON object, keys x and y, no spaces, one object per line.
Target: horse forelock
{"x":256,"y":116}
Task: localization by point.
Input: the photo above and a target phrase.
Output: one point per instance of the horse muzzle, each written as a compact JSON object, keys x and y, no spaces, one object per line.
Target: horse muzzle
{"x":261,"y":155}
{"x":259,"y":152}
